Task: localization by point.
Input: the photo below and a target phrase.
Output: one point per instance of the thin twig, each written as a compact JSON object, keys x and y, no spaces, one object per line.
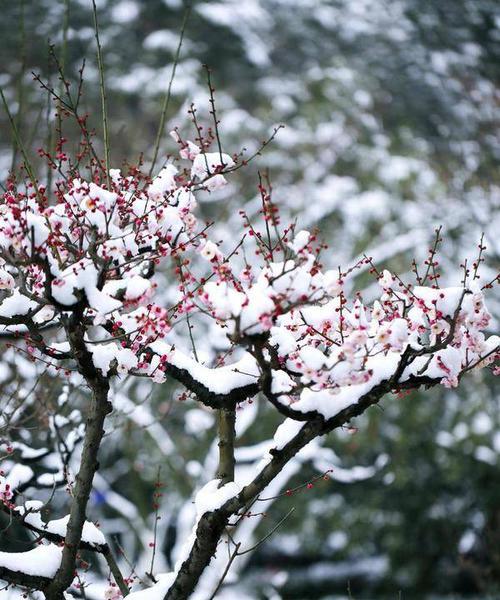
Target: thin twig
{"x":226,"y":570}
{"x":102,"y":88}
{"x":17,"y":138}
{"x":166,"y":100}
{"x":268,"y":534}
{"x":20,"y":87}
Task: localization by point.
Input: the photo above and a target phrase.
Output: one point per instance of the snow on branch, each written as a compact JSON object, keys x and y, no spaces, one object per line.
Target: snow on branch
{"x":33,"y":568}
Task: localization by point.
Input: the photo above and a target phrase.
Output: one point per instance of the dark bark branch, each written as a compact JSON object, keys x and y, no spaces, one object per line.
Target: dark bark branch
{"x":33,"y":582}
{"x":212,"y":524}
{"x":103,"y":549}
{"x":204,"y":395}
{"x":94,"y":432}
{"x":115,"y":571}
{"x":49,"y":535}
{"x":266,"y":381}
{"x":17,"y":335}
{"x":208,"y":533}
{"x":100,"y":407}
{"x":407,"y":357}
{"x":226,"y":419}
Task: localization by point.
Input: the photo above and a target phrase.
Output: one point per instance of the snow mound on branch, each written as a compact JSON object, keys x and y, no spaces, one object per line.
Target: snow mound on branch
{"x":208,"y":499}
{"x":157,"y":591}
{"x":31,"y":512}
{"x":211,"y":496}
{"x":209,"y":163}
{"x":220,"y":380}
{"x":42,"y":561}
{"x":16,"y":305}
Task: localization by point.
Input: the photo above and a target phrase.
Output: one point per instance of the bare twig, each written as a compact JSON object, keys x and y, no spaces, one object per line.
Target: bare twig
{"x":166,"y":100}
{"x":102,"y":88}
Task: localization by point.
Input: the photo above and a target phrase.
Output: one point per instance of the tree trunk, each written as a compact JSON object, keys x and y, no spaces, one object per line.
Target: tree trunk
{"x":94,"y":432}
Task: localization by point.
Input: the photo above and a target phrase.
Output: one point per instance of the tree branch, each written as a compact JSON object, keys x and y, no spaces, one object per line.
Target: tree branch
{"x":211,"y":525}
{"x":103,"y":549}
{"x":226,"y":419}
{"x":204,"y":395}
{"x":94,"y":432}
{"x":33,"y":582}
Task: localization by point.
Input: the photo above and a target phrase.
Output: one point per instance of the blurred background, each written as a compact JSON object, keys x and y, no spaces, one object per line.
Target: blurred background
{"x":392,"y":119}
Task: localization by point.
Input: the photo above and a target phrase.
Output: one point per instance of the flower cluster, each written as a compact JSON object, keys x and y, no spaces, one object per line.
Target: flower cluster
{"x":94,"y":247}
{"x":321,"y":345}
{"x":97,"y":250}
{"x":6,"y":493}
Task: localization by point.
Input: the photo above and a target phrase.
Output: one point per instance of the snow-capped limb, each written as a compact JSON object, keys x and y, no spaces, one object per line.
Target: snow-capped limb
{"x":28,"y":515}
{"x":304,"y":380}
{"x":33,"y":569}
{"x":220,"y":387}
{"x":211,"y":525}
{"x":403,"y":372}
{"x":55,"y":531}
{"x":157,"y":590}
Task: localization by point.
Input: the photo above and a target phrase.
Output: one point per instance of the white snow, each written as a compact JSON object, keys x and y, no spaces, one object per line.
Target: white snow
{"x":103,"y":355}
{"x":207,"y":163}
{"x":286,"y":432}
{"x":17,"y":476}
{"x":163,"y":183}
{"x":82,"y":276}
{"x":221,"y":380}
{"x":211,"y":496}
{"x":16,"y":305}
{"x":281,"y":383}
{"x":31,"y":511}
{"x":136,"y":287}
{"x":42,"y":561}
{"x":300,"y":240}
{"x":156,"y":591}
{"x":445,"y":300}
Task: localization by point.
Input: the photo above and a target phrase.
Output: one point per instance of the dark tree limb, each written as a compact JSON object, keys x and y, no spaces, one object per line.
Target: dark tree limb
{"x":100,"y":407}
{"x":211,"y":525}
{"x":103,"y":549}
{"x":226,"y":419}
{"x":207,"y":397}
{"x":203,"y":393}
{"x":33,"y":582}
{"x":115,"y":571}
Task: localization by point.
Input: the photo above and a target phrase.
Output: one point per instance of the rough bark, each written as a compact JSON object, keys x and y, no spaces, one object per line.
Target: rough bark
{"x":32,"y":582}
{"x":211,"y":525}
{"x":226,"y":419}
{"x":100,"y":407}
